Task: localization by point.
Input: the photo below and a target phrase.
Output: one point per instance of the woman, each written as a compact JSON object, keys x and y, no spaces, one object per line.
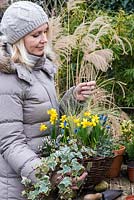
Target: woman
{"x":26,"y":93}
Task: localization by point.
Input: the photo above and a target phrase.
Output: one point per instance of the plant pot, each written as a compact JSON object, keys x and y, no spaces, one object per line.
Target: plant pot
{"x":115,"y":168}
{"x":119,"y":151}
{"x":130,"y":171}
{"x":130,"y":197}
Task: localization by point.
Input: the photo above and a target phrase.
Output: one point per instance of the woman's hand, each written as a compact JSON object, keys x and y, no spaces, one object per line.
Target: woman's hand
{"x":57,"y":178}
{"x":78,"y":180}
{"x":83,"y":90}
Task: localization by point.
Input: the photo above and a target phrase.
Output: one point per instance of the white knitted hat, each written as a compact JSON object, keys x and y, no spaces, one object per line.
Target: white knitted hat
{"x":20,"y":19}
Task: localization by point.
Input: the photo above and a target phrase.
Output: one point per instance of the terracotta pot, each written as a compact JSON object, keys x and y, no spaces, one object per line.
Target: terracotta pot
{"x":115,"y":168}
{"x":119,"y":151}
{"x":130,"y":171}
{"x":130,"y":197}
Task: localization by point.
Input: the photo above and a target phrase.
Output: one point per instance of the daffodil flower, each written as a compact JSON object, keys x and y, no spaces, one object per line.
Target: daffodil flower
{"x":85,"y":123}
{"x":63,"y":118}
{"x":77,"y":121}
{"x":62,"y":125}
{"x":87,"y":114}
{"x":43,"y":127}
{"x":53,"y":115}
{"x":95,"y":119}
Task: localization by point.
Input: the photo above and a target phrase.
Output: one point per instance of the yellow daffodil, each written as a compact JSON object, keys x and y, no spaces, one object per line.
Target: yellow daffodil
{"x":84,"y":123}
{"x":87,"y":114}
{"x":77,"y":121}
{"x":90,"y":123}
{"x":93,"y":123}
{"x":53,"y":115}
{"x":63,"y":118}
{"x":52,"y":112}
{"x":95,"y":118}
{"x":43,"y":127}
{"x":62,"y":125}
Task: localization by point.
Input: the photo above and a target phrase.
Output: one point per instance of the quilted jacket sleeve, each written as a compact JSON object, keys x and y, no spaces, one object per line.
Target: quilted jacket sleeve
{"x":13,"y":145}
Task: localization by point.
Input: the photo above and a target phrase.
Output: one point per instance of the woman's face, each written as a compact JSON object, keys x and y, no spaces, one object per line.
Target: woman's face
{"x":36,"y":41}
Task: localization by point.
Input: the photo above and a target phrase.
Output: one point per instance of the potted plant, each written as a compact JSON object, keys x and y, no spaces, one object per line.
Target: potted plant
{"x":127,"y":130}
{"x":84,"y":142}
{"x":96,"y":136}
{"x":115,"y":167}
{"x":127,"y":133}
{"x":130,"y":161}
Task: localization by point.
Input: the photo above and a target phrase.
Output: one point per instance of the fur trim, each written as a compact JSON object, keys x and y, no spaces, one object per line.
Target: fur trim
{"x":5,"y":61}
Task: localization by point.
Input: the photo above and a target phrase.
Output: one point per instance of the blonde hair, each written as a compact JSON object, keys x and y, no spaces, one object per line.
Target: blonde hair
{"x":19,"y":53}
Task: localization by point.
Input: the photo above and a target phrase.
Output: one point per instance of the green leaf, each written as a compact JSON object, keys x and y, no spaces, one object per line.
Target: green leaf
{"x":67,"y":181}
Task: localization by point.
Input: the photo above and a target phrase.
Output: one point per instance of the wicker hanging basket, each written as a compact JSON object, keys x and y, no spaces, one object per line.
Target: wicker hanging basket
{"x":97,"y":169}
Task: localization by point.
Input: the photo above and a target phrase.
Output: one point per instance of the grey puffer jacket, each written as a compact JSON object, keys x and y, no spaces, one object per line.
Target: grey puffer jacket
{"x":25,"y":97}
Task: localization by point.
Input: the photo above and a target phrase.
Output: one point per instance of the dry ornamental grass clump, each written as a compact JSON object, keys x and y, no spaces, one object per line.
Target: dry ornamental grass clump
{"x":81,"y":54}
